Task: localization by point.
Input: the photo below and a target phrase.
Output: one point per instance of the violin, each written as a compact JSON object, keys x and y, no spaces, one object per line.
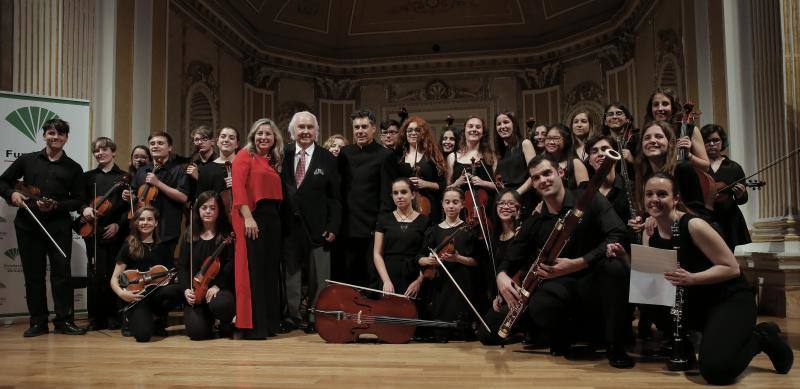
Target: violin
{"x":447,"y":246}
{"x":142,"y":282}
{"x":423,"y":202}
{"x":475,"y":195}
{"x":101,"y":206}
{"x":343,"y":313}
{"x":208,"y":271}
{"x":33,"y":193}
{"x":146,"y":194}
{"x":723,"y":193}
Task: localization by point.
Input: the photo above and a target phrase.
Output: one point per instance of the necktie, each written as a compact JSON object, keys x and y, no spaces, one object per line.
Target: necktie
{"x":300,"y":172}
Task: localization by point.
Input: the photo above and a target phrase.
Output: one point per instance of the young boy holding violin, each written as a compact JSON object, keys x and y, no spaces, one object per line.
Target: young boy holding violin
{"x":104,"y":216}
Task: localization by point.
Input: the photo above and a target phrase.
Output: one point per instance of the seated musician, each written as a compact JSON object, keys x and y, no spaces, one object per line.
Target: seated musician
{"x":167,"y":174}
{"x":718,"y":299}
{"x":398,"y":238}
{"x":101,"y":300}
{"x":582,"y":284}
{"x":209,"y":226}
{"x":141,"y":251}
{"x":445,"y":302}
{"x":61,"y":179}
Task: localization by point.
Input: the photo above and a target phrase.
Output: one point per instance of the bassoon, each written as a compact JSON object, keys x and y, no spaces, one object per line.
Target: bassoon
{"x":558,"y":238}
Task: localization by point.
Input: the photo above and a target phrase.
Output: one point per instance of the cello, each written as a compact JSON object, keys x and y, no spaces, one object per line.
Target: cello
{"x":343,"y":313}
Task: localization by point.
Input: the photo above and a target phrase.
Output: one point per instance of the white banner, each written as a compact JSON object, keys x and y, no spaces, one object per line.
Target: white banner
{"x":21,"y":119}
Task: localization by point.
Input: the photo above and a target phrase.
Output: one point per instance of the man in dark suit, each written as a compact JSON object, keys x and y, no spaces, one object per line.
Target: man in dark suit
{"x":311,"y":181}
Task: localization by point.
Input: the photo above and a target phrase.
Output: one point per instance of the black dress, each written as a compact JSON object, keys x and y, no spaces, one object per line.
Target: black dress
{"x":401,"y":243}
{"x":725,"y":312}
{"x":397,"y":167}
{"x":727,"y":214}
{"x":513,"y":171}
{"x":199,"y":318}
{"x":211,"y":176}
{"x":443,"y":301}
{"x":482,"y":170}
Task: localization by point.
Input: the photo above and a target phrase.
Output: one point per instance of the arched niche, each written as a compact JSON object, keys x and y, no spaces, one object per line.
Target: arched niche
{"x":200,"y":110}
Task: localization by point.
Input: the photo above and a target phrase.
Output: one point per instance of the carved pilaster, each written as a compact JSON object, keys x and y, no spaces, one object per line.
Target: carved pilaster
{"x":544,"y":76}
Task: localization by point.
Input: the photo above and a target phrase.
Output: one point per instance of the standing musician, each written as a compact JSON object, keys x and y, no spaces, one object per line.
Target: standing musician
{"x":204,"y":153}
{"x":583,"y":283}
{"x":421,"y":162}
{"x":558,"y":144}
{"x":140,"y":156}
{"x":444,"y":301}
{"x":583,"y":128}
{"x":216,"y":176}
{"x":724,"y":170}
{"x":474,"y":145}
{"x":257,"y":194}
{"x":663,"y":105}
{"x":448,"y":141}
{"x":398,"y":238}
{"x":360,"y":167}
{"x":141,"y":251}
{"x":391,"y":136}
{"x":59,"y":178}
{"x":101,"y":300}
{"x":719,"y":302}
{"x":618,"y":123}
{"x":209,"y":226}
{"x":311,"y":183}
{"x":507,"y":210}
{"x":335,"y":143}
{"x":613,"y":188}
{"x":539,"y":137}
{"x":167,"y":175}
{"x":514,"y":153}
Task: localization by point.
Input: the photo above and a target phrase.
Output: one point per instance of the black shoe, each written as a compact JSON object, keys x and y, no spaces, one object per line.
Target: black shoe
{"x":69,"y":328}
{"x":775,"y":347}
{"x":287,"y":326}
{"x":36,"y":330}
{"x":310,"y":329}
{"x":113,"y":324}
{"x":126,"y":332}
{"x":619,"y":358}
{"x":96,"y":325}
{"x":160,"y":332}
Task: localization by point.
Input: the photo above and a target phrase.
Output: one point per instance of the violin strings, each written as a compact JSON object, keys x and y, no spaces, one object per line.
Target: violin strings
{"x":369,"y":319}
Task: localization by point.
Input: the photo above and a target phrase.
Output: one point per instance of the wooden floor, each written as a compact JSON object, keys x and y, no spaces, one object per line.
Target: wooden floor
{"x":106,"y":359}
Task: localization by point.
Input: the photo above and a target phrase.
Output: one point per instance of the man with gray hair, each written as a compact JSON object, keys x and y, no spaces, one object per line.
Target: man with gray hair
{"x":310,"y":177}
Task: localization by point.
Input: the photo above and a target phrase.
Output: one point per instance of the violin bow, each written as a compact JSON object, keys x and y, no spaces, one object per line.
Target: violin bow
{"x":450,"y":276}
{"x":44,"y":230}
{"x":369,"y":289}
{"x":771,"y":164}
{"x":484,"y":229}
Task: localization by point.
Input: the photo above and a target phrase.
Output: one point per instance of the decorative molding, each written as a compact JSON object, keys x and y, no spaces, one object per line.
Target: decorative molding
{"x":669,"y":60}
{"x":621,"y":50}
{"x":332,"y":89}
{"x":438,"y":90}
{"x":544,"y":76}
{"x":259,"y":75}
{"x":286,"y":111}
{"x":203,"y":73}
{"x":585,"y":91}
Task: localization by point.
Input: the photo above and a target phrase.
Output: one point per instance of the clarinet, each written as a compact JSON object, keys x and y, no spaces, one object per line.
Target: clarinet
{"x":622,"y":143}
{"x":558,"y":238}
{"x":682,"y":358}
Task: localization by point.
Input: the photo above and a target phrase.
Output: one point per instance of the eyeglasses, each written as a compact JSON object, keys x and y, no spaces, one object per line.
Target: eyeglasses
{"x":413,"y":129}
{"x":390,"y":132}
{"x":507,"y":204}
{"x":554,"y":139}
{"x":713,"y":142}
{"x":200,"y":140}
{"x":610,"y":114}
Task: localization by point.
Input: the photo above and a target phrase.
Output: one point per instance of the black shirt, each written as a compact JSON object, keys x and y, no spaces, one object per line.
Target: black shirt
{"x":512,"y":168}
{"x":727,"y":213}
{"x":397,"y":167}
{"x":599,"y":226}
{"x":401,"y":240}
{"x":201,"y":249}
{"x":154,"y":254}
{"x":119,"y":208}
{"x":211,"y":176}
{"x":61,"y":180}
{"x":173,"y":174}
{"x":360,"y":169}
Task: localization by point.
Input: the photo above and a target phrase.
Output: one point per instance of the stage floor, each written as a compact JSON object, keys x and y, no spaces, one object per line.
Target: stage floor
{"x":107,"y":359}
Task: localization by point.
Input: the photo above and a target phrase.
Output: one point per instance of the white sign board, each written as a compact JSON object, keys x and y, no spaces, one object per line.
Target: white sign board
{"x":21,"y":119}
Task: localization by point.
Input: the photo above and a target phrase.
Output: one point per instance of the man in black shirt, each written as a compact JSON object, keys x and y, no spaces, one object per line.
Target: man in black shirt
{"x":168,"y":175}
{"x":360,"y":167}
{"x":106,"y":179}
{"x":583,"y":283}
{"x":59,"y":178}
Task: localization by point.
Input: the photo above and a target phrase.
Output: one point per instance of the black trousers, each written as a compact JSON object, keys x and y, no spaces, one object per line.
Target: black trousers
{"x":101,"y":302}
{"x":598,"y":297}
{"x":263,"y":258}
{"x":199,"y":318}
{"x":355,"y":264}
{"x":156,"y":306}
{"x":34,"y":249}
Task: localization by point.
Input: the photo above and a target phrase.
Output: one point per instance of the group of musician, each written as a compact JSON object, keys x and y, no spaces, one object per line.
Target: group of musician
{"x":451,"y":223}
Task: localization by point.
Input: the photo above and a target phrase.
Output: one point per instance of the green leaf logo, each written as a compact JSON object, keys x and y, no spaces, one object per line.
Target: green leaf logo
{"x":12,"y":253}
{"x":29,"y":119}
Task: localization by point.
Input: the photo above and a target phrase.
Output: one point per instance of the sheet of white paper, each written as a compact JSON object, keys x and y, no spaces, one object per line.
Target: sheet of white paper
{"x":648,"y":285}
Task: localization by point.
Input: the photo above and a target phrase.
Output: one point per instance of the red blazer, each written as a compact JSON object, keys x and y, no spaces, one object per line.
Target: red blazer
{"x":253,"y":180}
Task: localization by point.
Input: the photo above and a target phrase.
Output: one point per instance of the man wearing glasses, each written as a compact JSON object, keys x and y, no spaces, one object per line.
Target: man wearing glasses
{"x":390,"y":134}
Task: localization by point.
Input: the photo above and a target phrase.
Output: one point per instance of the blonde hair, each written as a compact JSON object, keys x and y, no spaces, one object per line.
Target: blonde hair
{"x":329,"y":142}
{"x":276,"y":154}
